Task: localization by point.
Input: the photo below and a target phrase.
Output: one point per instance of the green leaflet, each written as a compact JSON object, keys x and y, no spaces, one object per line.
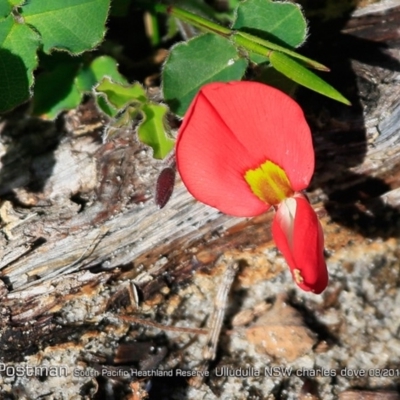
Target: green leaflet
{"x":295,"y":71}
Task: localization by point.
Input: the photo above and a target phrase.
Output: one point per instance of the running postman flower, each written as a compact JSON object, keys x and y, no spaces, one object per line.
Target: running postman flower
{"x":244,"y":147}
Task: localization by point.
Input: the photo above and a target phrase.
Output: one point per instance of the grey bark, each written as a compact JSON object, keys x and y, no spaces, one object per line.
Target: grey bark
{"x":77,"y":212}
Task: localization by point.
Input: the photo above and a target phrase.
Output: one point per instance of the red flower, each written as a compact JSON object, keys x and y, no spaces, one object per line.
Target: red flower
{"x":244,"y":147}
{"x":298,"y":235}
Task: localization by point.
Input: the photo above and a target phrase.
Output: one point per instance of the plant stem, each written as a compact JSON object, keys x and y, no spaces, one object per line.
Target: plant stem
{"x":264,"y":47}
{"x":245,"y":40}
{"x":284,"y":60}
{"x":192,"y":19}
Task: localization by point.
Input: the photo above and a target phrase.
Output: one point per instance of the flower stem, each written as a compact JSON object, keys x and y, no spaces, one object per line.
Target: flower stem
{"x":284,"y":60}
{"x":247,"y":41}
{"x":192,"y":19}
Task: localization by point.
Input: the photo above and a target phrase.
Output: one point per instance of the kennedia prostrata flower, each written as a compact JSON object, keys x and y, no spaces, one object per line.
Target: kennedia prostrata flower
{"x":244,"y":147}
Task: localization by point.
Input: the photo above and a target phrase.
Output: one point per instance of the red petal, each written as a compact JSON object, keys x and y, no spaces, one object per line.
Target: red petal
{"x":298,"y":235}
{"x":233,"y":127}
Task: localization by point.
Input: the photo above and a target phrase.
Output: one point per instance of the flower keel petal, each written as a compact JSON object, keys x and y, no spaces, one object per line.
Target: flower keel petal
{"x":298,"y":235}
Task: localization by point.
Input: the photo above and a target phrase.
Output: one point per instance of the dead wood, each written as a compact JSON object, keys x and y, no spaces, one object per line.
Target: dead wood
{"x":78,"y":214}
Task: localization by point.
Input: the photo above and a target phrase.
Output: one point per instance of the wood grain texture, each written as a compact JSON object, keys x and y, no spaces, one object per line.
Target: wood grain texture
{"x":78,"y":215}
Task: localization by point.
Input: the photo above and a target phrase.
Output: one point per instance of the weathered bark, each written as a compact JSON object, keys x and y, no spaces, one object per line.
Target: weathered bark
{"x":77,"y":213}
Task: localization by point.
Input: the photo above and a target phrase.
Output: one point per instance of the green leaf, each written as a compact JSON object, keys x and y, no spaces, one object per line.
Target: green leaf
{"x":5,"y":9}
{"x":100,"y":67}
{"x":295,"y":71}
{"x":55,"y":89}
{"x":278,"y":22}
{"x":151,"y":131}
{"x":18,"y":46}
{"x":133,"y":100}
{"x":281,"y":23}
{"x":190,"y":65}
{"x":106,"y":107}
{"x":72,"y":25}
{"x":119,"y":96}
{"x":73,"y":79}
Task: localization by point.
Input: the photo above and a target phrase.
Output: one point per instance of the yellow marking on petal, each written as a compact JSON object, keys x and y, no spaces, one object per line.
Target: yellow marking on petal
{"x":269,"y":183}
{"x":297,"y":276}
